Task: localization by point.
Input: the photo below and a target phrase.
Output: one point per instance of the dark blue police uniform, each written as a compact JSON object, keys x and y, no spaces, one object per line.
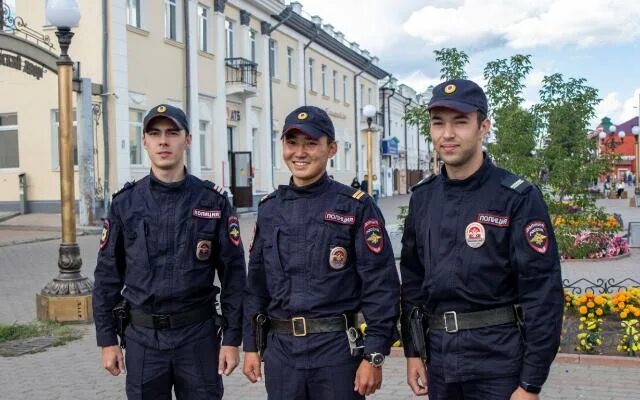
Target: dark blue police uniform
{"x":161,"y":246}
{"x":516,"y":263}
{"x":319,"y":251}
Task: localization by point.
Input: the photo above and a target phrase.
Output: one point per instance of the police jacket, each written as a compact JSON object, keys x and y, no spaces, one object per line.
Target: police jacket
{"x":320,"y":251}
{"x":161,"y":246}
{"x":516,"y":262}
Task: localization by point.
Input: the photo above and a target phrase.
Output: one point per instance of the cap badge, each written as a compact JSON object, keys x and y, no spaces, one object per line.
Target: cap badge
{"x":203,"y":250}
{"x":450,"y":88}
{"x":474,"y":235}
{"x":338,"y":258}
{"x":161,"y":109}
{"x":302,"y":116}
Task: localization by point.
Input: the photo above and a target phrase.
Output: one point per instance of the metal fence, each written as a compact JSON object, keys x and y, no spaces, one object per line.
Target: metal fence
{"x":241,"y":70}
{"x":600,"y":286}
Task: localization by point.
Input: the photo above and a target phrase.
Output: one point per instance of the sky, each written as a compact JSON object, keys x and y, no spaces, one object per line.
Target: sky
{"x":598,"y":40}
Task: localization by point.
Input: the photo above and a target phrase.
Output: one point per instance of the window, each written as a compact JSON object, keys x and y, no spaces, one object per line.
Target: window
{"x":55,"y":152}
{"x":369,"y":96}
{"x":274,"y":148}
{"x":9,"y":154}
{"x":335,"y":84}
{"x":289,"y":65}
{"x":311,"y":67}
{"x":361,"y":97}
{"x":324,"y":80}
{"x":133,"y":13}
{"x":204,"y":125}
{"x":170,"y":19}
{"x":252,"y":39}
{"x":345,"y":88}
{"x":135,"y":137}
{"x":203,"y":27}
{"x":273,"y":53}
{"x":228,"y":27}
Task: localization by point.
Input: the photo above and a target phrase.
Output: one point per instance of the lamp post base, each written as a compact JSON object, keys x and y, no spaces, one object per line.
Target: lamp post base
{"x":67,"y":298}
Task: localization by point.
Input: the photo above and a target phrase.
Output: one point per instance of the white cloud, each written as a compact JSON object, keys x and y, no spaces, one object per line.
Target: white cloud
{"x":418,"y":80}
{"x":519,"y":24}
{"x":619,"y":110}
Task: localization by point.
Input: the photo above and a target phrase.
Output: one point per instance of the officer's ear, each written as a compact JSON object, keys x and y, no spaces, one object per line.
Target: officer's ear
{"x":188,"y":138}
{"x":333,"y":147}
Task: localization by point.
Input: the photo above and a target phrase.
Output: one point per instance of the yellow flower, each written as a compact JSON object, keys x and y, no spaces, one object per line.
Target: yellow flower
{"x":590,"y":304}
{"x":624,"y":314}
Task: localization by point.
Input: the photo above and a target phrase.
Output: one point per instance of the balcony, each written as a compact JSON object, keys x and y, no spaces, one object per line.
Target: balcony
{"x":241,"y":77}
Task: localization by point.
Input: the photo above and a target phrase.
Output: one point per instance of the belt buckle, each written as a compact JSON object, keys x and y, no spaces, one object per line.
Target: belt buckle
{"x":294,"y":322}
{"x":161,"y":321}
{"x":455,"y":320}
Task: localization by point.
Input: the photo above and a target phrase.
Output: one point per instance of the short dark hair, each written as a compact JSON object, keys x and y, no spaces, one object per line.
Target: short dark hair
{"x":481,"y":117}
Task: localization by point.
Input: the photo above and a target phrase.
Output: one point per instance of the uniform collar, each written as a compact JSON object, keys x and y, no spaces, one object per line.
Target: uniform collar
{"x":164,"y":187}
{"x":472,"y":181}
{"x":292,"y":191}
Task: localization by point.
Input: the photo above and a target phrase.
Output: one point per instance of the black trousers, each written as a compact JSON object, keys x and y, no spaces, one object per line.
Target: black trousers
{"x":482,"y":389}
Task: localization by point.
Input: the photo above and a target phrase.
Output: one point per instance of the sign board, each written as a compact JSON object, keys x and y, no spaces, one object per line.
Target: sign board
{"x":18,"y":63}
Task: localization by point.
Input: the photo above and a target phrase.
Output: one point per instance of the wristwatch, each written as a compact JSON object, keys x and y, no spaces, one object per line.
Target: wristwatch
{"x":528,"y":387}
{"x":375,"y":359}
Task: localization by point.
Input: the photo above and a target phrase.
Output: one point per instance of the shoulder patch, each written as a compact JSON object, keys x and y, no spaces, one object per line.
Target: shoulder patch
{"x":127,"y":186}
{"x":216,"y":188}
{"x":424,"y":181}
{"x":355,"y":194}
{"x":267,"y":197}
{"x":516,"y":184}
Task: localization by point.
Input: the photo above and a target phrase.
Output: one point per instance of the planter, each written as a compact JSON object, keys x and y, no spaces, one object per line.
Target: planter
{"x":618,"y":257}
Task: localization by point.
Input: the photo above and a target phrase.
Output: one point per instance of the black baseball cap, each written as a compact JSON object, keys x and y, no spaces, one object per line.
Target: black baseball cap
{"x":461,"y":95}
{"x":310,"y":120}
{"x":167,"y":111}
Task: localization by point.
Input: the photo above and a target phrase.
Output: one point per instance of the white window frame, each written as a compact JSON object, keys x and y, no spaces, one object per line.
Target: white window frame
{"x":205,"y":142}
{"x":273,"y":58}
{"x":290,"y":64}
{"x":345,"y":87}
{"x":229,"y":34}
{"x":276,"y":150}
{"x":335,"y":84}
{"x":137,"y":125}
{"x":55,"y":151}
{"x":252,"y":44}
{"x":311,"y":68}
{"x":134,"y":13}
{"x":11,"y":128}
{"x":203,"y":27}
{"x":323,"y":74}
{"x":171,"y":20}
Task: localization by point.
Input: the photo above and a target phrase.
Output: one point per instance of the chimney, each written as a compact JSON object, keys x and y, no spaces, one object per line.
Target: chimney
{"x":296,"y":7}
{"x":340,"y":36}
{"x":316,"y":20}
{"x":329,"y":29}
{"x":374,"y":60}
{"x":366,"y":54}
{"x":355,"y":47}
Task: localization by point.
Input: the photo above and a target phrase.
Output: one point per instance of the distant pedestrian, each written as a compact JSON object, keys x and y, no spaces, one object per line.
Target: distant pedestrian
{"x":364,"y":185}
{"x":355,"y":184}
{"x":629,"y":179}
{"x":620,"y":188}
{"x":376,"y":188}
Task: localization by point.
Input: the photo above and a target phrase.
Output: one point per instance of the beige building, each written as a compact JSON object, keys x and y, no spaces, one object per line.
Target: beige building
{"x":213,"y":59}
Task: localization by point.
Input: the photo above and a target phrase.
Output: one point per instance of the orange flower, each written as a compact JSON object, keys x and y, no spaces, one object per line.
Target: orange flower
{"x":583,"y":310}
{"x":590,"y":304}
{"x":600,"y":301}
{"x":621,"y":305}
{"x":599,"y":311}
{"x":624,"y":314}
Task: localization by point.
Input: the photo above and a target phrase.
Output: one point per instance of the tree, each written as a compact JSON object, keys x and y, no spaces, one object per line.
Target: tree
{"x":453,"y":62}
{"x":514,"y":127}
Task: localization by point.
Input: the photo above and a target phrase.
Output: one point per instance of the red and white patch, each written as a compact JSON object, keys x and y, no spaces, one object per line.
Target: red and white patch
{"x":474,"y":235}
{"x":234,"y":230}
{"x":537,"y":236}
{"x":495,"y":220}
{"x":373,"y":235}
{"x":206,"y":214}
{"x":338,"y":218}
{"x":104,"y":239}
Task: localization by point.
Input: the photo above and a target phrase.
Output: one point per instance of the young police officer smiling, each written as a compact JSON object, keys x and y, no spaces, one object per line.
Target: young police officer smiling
{"x":320,"y":254}
{"x":480,"y":263}
{"x":164,"y":240}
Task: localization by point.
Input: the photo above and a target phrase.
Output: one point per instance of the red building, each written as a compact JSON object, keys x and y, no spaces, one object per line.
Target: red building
{"x":625,"y":147}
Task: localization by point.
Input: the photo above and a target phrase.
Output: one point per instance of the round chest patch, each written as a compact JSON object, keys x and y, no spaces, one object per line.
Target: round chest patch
{"x":104,"y":238}
{"x":338,"y":258}
{"x":203,"y":250}
{"x":474,"y":235}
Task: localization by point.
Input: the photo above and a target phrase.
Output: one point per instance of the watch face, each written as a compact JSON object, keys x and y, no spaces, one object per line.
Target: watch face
{"x":377,"y":359}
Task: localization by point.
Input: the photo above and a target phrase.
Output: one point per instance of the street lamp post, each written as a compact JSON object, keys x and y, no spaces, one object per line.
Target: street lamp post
{"x":369,"y":111}
{"x":67,"y":297}
{"x":608,"y":139}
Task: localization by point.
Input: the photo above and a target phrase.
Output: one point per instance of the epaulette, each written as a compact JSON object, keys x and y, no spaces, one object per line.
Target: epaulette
{"x":424,"y":181}
{"x":267,"y":197}
{"x":127,"y":186}
{"x":515,"y":183}
{"x":216,"y":188}
{"x":355,"y":194}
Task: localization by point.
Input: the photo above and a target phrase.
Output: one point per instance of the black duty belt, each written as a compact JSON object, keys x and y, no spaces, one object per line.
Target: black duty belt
{"x":301,"y":326}
{"x":453,"y":322}
{"x":177,"y":320}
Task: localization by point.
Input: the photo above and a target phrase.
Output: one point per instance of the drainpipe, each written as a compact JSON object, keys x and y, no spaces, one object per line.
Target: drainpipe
{"x":187,"y":66}
{"x":105,"y":100}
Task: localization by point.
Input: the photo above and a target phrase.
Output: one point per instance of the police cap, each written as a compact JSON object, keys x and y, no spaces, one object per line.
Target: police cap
{"x":461,"y":95}
{"x":167,"y":111}
{"x":310,"y":120}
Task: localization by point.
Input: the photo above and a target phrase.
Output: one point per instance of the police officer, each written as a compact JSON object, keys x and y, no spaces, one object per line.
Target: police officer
{"x":320,"y":254}
{"x":480,"y":262}
{"x":164,"y":239}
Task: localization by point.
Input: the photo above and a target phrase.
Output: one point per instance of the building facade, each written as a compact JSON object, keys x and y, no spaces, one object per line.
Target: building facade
{"x":236,"y":67}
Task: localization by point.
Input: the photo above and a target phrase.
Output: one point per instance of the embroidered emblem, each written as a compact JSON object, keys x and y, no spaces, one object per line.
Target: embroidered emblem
{"x":537,"y":236}
{"x":450,"y":88}
{"x":302,"y":116}
{"x":338,"y":218}
{"x":253,"y":237}
{"x":203,"y":250}
{"x":206,"y":214}
{"x":373,"y":236}
{"x":161,"y":109}
{"x":474,"y":235}
{"x":234,"y":230}
{"x":104,"y":239}
{"x":495,"y":220}
{"x":338,"y":258}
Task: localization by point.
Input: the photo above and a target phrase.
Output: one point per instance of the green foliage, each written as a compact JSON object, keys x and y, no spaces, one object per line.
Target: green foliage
{"x":402,"y":216}
{"x":15,"y":331}
{"x":419,"y":116}
{"x":453,"y":62}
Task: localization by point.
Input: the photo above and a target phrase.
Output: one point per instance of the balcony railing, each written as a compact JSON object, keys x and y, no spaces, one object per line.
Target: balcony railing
{"x":241,"y":71}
